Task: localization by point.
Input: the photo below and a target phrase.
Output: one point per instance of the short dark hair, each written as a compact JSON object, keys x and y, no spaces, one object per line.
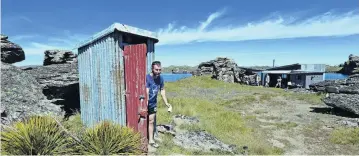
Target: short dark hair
{"x":156,"y":63}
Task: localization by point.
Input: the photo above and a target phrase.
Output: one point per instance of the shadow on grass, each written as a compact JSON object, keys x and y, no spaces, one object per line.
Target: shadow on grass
{"x":333,"y":111}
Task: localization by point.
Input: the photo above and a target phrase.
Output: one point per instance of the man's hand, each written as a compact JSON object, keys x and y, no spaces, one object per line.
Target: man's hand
{"x":169,"y":107}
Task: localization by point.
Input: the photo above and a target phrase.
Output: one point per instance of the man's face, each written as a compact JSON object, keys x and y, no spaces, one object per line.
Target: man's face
{"x":156,"y":70}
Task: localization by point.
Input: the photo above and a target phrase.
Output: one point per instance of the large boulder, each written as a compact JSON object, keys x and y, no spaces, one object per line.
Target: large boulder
{"x":10,"y":52}
{"x":60,"y":82}
{"x":223,"y":69}
{"x":351,"y":66}
{"x":347,"y":102}
{"x":342,"y":94}
{"x":59,"y":57}
{"x":21,"y":96}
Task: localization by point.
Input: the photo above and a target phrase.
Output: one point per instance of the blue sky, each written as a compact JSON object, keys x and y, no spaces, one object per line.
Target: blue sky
{"x":252,"y":32}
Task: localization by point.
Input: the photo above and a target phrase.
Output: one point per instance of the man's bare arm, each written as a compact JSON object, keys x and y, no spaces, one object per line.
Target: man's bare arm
{"x":163,"y":94}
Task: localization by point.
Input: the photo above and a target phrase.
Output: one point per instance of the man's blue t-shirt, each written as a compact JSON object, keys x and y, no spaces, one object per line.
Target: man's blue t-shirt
{"x":154,"y":85}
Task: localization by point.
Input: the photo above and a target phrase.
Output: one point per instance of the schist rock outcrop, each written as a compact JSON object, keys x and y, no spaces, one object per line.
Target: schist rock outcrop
{"x":21,"y":96}
{"x":223,"y":69}
{"x":59,"y":78}
{"x":49,"y":89}
{"x":59,"y":57}
{"x":351,"y":66}
{"x":342,"y":94}
{"x":10,"y":52}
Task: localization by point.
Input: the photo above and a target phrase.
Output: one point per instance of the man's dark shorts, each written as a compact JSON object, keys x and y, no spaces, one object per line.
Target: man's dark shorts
{"x":152,"y":110}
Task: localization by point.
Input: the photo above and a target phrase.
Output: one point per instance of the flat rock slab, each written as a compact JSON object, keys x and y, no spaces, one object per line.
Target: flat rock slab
{"x":347,"y":102}
{"x":200,"y":140}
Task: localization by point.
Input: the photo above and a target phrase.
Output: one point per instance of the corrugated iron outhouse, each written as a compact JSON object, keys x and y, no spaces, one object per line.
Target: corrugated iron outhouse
{"x":112,"y":68}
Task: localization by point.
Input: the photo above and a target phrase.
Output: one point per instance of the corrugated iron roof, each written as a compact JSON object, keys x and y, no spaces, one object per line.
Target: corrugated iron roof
{"x":277,"y":71}
{"x":122,"y":28}
{"x":278,"y":67}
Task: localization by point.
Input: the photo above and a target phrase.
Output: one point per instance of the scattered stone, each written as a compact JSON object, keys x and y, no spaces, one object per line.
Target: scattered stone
{"x":301,"y":90}
{"x":182,"y":119}
{"x":10,"y":52}
{"x":59,"y":57}
{"x":21,"y":96}
{"x":202,"y":141}
{"x":350,"y":123}
{"x":166,"y":129}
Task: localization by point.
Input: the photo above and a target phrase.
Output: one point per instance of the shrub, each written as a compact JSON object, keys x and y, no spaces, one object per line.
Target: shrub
{"x":37,"y":135}
{"x":107,"y":138}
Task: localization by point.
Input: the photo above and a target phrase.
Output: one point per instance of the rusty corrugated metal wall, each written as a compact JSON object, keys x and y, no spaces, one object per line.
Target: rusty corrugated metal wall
{"x":102,"y":80}
{"x":135,"y":76}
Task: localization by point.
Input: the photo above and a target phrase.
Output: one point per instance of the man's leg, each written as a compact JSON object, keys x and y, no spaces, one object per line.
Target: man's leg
{"x":151,"y":119}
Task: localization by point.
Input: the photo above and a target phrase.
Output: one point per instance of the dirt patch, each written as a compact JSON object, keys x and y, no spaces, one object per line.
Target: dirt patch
{"x":293,"y":126}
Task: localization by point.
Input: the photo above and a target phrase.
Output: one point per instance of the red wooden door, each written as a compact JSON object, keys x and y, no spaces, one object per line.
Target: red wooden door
{"x":135,"y":79}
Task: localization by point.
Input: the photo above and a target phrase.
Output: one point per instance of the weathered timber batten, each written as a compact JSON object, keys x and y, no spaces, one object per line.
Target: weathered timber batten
{"x":102,"y":69}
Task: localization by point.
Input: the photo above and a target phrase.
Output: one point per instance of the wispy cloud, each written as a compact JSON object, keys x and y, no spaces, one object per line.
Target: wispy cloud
{"x":278,"y":27}
{"x":35,"y":48}
{"x":25,"y":18}
{"x":22,"y":37}
{"x":65,"y":42}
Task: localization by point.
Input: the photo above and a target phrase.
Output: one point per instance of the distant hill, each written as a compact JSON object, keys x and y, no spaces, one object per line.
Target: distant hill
{"x":333,"y":69}
{"x":178,"y":68}
{"x":258,"y":67}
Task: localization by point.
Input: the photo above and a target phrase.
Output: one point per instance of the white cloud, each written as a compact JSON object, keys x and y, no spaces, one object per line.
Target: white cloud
{"x":21,"y":37}
{"x":25,"y":18}
{"x":278,"y":27}
{"x":67,"y":42}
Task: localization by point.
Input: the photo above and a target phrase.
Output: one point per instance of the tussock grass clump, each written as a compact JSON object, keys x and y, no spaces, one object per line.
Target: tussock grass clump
{"x":74,"y":124}
{"x":38,"y":135}
{"x":345,"y":136}
{"x":107,"y":138}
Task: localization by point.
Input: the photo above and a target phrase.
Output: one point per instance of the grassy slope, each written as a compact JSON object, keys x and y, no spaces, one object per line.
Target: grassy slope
{"x":191,"y":97}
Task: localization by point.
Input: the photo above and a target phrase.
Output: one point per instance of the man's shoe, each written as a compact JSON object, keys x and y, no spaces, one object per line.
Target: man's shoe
{"x":153,"y":144}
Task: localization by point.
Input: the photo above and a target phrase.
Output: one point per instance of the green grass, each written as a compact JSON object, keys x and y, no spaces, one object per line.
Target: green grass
{"x":286,"y":125}
{"x":215,"y":114}
{"x":309,"y":98}
{"x":333,"y":68}
{"x":74,"y":123}
{"x":345,"y":136}
{"x":228,"y":126}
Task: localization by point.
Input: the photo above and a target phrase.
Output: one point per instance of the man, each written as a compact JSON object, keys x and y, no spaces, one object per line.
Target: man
{"x":267,"y":81}
{"x":279,"y":82}
{"x":258,"y":79}
{"x":154,"y":83}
